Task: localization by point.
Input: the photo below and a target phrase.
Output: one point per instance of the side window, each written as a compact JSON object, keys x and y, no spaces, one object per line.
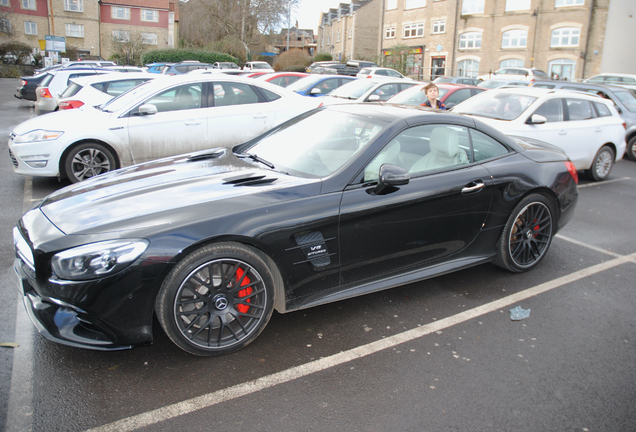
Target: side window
{"x":552,"y":110}
{"x":386,"y":91}
{"x":457,"y":97}
{"x":269,"y":95}
{"x":327,"y":85}
{"x":423,"y":149}
{"x":602,"y":110}
{"x":116,"y":88}
{"x":226,"y":93}
{"x":579,"y":109}
{"x":184,"y":97}
{"x":485,"y":147}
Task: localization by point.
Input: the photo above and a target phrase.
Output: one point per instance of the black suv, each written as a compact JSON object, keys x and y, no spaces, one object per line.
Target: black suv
{"x":353,"y":67}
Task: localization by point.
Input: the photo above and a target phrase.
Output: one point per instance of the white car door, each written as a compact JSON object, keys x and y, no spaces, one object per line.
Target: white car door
{"x":585,"y":132}
{"x":238,"y":114}
{"x":178,"y":126}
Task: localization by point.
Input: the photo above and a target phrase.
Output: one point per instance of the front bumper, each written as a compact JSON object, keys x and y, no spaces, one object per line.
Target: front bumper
{"x":37,"y":159}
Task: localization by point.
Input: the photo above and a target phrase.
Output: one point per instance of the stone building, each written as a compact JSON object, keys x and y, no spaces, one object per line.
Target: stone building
{"x":351,"y":30}
{"x":90,"y":25}
{"x":295,"y":38}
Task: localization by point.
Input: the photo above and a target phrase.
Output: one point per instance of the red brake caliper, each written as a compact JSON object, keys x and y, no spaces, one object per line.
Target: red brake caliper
{"x":536,"y":229}
{"x":244,"y":292}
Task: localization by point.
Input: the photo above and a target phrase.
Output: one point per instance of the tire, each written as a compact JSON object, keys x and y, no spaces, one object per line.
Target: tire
{"x":631,"y":149}
{"x":216,"y":300}
{"x":88,"y":160}
{"x":527,"y":235}
{"x":602,"y":165}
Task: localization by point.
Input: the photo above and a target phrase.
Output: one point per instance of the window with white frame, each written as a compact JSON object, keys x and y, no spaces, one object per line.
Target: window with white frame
{"x":515,"y":5}
{"x":389,"y":33}
{"x":75,"y":30}
{"x":514,"y":39}
{"x":122,"y":13}
{"x":73,"y":5}
{"x":338,"y":36}
{"x":328,"y":40}
{"x":413,"y":30}
{"x":470,"y":40}
{"x":30,"y":28}
{"x":149,"y":15}
{"x":121,"y":36}
{"x":391,"y":4}
{"x":4,"y":3}
{"x":28,"y":4}
{"x":565,"y":37}
{"x":472,"y":7}
{"x":149,"y":38}
{"x":468,"y":68}
{"x":413,"y":4}
{"x":350,"y":32}
{"x":510,"y":63}
{"x":439,"y":26}
{"x":5,"y":25}
{"x":559,"y":3}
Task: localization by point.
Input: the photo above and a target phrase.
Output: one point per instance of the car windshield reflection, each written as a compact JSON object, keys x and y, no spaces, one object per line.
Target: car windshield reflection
{"x":316,"y":145}
{"x":496,"y":105}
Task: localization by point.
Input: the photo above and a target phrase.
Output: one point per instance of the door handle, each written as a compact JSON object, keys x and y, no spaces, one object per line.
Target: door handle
{"x":562,"y":132}
{"x":598,"y":129}
{"x":260,"y":115}
{"x":473,"y":187}
{"x":192,"y":123}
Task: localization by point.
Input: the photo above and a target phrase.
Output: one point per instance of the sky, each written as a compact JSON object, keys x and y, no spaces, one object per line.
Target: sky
{"x":307,"y":13}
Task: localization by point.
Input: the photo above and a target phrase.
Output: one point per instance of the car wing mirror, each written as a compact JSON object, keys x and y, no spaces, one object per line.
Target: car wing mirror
{"x":391,"y":176}
{"x":536,"y":119}
{"x":315,"y":91}
{"x":374,"y":98}
{"x":147,"y":109}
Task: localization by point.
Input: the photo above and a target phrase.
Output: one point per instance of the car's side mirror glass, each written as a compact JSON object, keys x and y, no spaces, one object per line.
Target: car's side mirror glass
{"x":391,"y":176}
{"x":315,"y":91}
{"x":536,"y":119}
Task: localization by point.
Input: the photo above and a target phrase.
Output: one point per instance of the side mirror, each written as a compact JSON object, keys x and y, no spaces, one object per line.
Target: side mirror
{"x":391,"y":176}
{"x":315,"y":91}
{"x":536,"y":119}
{"x":373,"y":98}
{"x":620,"y":111}
{"x":147,"y":109}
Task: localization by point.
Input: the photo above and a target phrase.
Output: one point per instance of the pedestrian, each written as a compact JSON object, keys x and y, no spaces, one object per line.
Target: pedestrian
{"x":432,"y":92}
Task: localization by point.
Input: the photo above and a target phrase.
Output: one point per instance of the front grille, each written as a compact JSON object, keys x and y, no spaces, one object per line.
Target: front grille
{"x":13,"y":159}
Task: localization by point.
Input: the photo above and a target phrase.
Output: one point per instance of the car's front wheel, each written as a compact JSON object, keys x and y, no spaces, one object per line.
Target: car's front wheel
{"x":88,"y":160}
{"x":602,"y":165}
{"x":631,"y":149}
{"x":527,"y":235}
{"x":216,"y":300}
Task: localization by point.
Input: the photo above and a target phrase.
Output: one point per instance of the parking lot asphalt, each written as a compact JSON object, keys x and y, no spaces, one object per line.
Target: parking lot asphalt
{"x":439,"y":355}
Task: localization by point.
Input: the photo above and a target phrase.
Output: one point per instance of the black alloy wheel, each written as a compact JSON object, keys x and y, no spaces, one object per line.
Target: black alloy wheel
{"x":527,"y":235}
{"x":88,"y":160}
{"x":631,"y":149}
{"x":216,"y":300}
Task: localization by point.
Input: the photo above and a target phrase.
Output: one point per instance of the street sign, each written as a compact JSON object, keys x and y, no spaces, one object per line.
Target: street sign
{"x":55,"y":43}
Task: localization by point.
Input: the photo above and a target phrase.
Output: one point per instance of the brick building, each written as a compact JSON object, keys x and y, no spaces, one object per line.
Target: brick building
{"x":90,"y":25}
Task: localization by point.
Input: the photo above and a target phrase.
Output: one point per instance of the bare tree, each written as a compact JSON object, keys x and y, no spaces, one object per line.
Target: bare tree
{"x":6,"y":28}
{"x":128,"y":48}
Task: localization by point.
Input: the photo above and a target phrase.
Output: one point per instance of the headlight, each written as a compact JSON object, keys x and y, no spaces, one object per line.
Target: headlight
{"x":97,"y":260}
{"x":38,"y":135}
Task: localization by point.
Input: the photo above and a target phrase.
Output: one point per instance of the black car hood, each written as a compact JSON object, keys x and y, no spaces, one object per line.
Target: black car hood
{"x":170,"y":191}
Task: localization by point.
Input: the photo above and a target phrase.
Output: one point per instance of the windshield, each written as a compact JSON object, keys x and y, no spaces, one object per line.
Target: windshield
{"x":304,"y":83}
{"x":121,"y":100}
{"x":414,"y":96}
{"x":495,"y":104}
{"x":335,"y":138}
{"x":261,"y":66}
{"x":353,"y":90}
{"x":628,"y":99}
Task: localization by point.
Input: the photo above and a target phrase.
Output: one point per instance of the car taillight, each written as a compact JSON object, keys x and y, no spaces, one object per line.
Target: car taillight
{"x":625,"y":125}
{"x":23,"y":83}
{"x":44,"y":92}
{"x":70,"y":104}
{"x":572,"y":170}
{"x":368,"y":76}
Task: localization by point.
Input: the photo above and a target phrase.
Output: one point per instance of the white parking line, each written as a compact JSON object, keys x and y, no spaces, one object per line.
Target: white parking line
{"x":604,"y":182}
{"x":208,"y":400}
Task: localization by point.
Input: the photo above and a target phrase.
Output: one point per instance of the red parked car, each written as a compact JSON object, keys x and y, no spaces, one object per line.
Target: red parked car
{"x":282,"y":79}
{"x":449,"y":94}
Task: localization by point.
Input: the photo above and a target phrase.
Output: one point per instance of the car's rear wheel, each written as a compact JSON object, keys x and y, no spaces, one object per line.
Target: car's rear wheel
{"x":631,"y":149}
{"x":602,"y":165}
{"x":216,"y":300}
{"x":88,"y":160}
{"x":527,"y":235}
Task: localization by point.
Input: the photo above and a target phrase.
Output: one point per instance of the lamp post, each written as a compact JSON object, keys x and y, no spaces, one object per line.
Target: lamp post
{"x":288,"y":22}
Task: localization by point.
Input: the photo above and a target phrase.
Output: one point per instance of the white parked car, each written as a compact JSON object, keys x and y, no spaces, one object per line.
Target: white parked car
{"x":517,"y":73}
{"x":162,"y":117}
{"x":380,"y":72}
{"x":588,"y":128}
{"x":258,"y":66}
{"x":367,"y":90}
{"x":96,"y":90}
{"x":50,"y":89}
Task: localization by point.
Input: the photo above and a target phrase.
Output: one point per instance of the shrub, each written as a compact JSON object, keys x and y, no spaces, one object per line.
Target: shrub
{"x":179,"y":55}
{"x":293,"y":57}
{"x":323,"y":57}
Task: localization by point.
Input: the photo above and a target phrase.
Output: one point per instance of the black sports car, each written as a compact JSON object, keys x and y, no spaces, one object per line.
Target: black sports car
{"x":339,"y":202}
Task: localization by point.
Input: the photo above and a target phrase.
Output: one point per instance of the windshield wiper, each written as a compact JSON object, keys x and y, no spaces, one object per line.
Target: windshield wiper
{"x":256,"y":158}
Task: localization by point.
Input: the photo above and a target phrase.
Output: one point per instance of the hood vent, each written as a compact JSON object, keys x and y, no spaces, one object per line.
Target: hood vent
{"x":250,"y":180}
{"x":205,"y":156}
